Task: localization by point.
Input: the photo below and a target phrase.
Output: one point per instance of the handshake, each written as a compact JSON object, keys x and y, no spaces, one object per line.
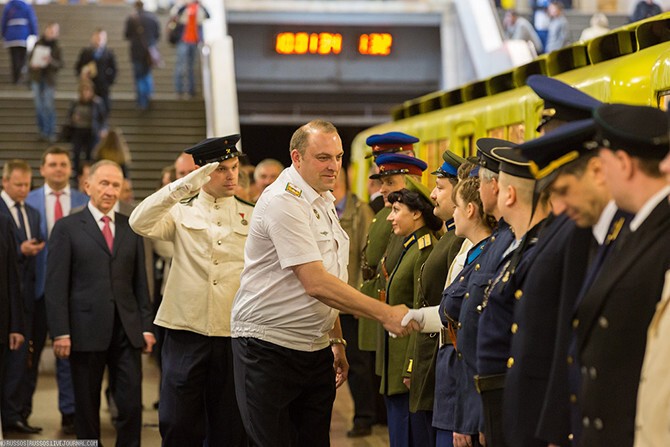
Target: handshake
{"x":192,"y":183}
{"x":426,"y":319}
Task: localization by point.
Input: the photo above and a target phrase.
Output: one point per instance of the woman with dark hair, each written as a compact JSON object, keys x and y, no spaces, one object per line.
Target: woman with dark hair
{"x":413,"y":220}
{"x":452,"y":392}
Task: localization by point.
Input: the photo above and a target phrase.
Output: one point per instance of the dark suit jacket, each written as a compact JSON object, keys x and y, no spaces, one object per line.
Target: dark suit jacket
{"x":37,"y":200}
{"x":26,"y":264}
{"x":612,"y":329}
{"x":86,"y":284}
{"x":10,"y":296}
{"x":106,"y":67}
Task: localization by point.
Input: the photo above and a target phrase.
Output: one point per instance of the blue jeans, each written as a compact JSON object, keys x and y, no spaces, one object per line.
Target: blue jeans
{"x":186,"y":54}
{"x":43,"y":95}
{"x":144,"y":84}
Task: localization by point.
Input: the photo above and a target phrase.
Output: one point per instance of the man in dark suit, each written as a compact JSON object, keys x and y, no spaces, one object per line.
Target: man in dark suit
{"x":52,"y":200}
{"x":98,"y":64}
{"x":10,"y":296}
{"x":16,"y":177}
{"x":613,"y":317}
{"x":98,"y":306}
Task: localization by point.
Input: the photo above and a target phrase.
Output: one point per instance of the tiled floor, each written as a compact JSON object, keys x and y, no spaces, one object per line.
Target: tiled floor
{"x":46,"y":415}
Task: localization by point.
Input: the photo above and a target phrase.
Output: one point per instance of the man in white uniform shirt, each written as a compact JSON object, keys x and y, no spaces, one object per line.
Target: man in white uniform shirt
{"x":208,"y":226}
{"x":287,"y":343}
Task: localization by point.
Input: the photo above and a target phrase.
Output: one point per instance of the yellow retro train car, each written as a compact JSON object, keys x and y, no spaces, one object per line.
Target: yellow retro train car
{"x":628,"y":65}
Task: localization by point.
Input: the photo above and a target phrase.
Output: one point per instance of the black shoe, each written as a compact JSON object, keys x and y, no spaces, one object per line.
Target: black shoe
{"x":67,"y":424}
{"x":21,"y":427}
{"x":359,"y":432}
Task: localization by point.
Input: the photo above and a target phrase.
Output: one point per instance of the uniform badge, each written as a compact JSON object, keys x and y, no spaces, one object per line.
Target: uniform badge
{"x":316,"y":213}
{"x":293,"y":190}
{"x":243,"y":221}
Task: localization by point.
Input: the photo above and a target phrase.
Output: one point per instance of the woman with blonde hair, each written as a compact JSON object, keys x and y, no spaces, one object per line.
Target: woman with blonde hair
{"x":114,"y":147}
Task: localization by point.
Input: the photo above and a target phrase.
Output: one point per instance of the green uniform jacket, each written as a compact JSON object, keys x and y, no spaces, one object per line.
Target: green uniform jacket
{"x":431,"y":286}
{"x":379,"y":234}
{"x":355,"y":221}
{"x":402,"y":288}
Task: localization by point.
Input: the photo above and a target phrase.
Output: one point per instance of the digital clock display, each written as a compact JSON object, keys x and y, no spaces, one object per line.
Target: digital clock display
{"x":324,"y":43}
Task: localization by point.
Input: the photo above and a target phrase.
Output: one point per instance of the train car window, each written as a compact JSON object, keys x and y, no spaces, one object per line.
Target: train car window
{"x":433,"y":155}
{"x":496,"y":132}
{"x":663,"y":99}
{"x":443,"y":145}
{"x":467,"y":144}
{"x":516,"y":132}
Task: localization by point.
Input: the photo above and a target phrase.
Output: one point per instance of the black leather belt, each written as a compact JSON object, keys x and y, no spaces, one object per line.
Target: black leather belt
{"x":489,"y":383}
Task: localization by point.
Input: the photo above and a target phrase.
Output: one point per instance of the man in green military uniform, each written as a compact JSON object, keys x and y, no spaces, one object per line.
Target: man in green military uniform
{"x":431,"y":285}
{"x":381,"y":244}
{"x":380,"y":233}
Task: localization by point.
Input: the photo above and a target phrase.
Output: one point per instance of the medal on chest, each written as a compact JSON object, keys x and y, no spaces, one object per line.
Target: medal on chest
{"x":243,"y":221}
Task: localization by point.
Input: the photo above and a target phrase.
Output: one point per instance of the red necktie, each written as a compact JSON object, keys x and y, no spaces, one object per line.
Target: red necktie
{"x":58,"y":208}
{"x":107,"y":232}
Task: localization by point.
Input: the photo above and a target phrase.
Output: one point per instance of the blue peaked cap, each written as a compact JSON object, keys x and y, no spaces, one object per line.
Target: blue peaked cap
{"x":568,"y":103}
{"x":398,"y":138}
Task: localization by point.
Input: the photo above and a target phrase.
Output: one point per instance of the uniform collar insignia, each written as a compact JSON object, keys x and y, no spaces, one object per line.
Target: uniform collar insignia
{"x":409,"y":241}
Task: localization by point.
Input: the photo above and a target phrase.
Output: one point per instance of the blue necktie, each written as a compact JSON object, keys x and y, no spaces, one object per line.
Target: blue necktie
{"x":23,"y":235}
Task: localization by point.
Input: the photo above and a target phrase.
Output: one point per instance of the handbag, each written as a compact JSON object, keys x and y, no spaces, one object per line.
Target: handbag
{"x":65,"y":133}
{"x":174,"y":30}
{"x":154,"y":59}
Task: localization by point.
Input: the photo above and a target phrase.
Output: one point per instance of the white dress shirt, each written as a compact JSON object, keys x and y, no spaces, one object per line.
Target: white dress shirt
{"x":292,"y":225}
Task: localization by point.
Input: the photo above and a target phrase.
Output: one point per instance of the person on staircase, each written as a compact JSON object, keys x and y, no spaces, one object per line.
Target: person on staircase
{"x":45,"y":61}
{"x":97,"y":63}
{"x":190,"y":16}
{"x":18,"y":23}
{"x":143,"y":31}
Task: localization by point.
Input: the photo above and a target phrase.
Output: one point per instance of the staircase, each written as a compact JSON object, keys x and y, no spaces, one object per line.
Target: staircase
{"x":155,"y":136}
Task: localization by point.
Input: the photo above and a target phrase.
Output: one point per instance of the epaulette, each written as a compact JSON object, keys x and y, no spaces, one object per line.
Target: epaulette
{"x":245,"y":202}
{"x":293,"y":190}
{"x":424,"y":241}
{"x":187,"y":200}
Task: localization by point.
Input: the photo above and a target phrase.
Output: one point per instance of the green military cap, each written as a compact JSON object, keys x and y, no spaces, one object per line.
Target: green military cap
{"x":450,"y":166}
{"x":418,"y":187}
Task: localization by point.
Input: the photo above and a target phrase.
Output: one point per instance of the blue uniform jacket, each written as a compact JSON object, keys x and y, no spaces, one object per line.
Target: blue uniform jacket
{"x":448,"y":358}
{"x":468,"y":403}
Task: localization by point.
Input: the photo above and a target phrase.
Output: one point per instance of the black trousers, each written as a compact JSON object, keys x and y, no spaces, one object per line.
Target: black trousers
{"x":361,"y":383}
{"x":492,"y":402}
{"x":18,"y":58}
{"x":125,"y":374}
{"x":197,"y":398}
{"x":286,"y":396}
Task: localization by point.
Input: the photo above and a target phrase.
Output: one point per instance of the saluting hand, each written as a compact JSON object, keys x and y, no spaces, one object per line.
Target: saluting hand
{"x":193,"y":181}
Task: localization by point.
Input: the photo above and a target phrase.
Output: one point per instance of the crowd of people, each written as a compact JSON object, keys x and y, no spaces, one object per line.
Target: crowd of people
{"x":96,"y":69}
{"x":489,"y":310}
{"x":548,"y":28}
